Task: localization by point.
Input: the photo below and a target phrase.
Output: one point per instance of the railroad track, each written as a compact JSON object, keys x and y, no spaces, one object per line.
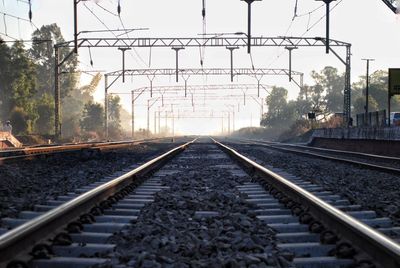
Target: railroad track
{"x":310,"y":229}
{"x":375,"y":162}
{"x":29,"y":153}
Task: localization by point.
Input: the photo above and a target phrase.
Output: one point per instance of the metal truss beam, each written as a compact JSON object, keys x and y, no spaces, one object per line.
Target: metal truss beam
{"x":193,"y":88}
{"x":203,"y":42}
{"x":186,"y":73}
{"x":391,"y":5}
{"x":210,"y":71}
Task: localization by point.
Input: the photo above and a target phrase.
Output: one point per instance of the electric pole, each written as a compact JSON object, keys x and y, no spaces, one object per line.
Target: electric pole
{"x":367,"y":90}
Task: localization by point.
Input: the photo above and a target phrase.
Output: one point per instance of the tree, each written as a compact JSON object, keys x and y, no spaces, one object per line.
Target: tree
{"x":359,"y":105}
{"x":332,"y":86}
{"x":92,"y":118}
{"x":42,"y":53}
{"x":72,"y":106}
{"x":378,"y":93}
{"x":280,"y":113}
{"x":45,"y":110}
{"x":114,"y":115}
{"x":5,"y":78}
{"x":19,"y":120}
{"x":18,"y":85}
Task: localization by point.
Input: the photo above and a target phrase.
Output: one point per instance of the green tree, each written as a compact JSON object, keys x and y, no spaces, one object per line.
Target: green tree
{"x":18,"y":86}
{"x":20,"y":121}
{"x":359,"y":105}
{"x":114,"y":115}
{"x":332,"y":86}
{"x":23,"y":86}
{"x":280,"y":113}
{"x":378,"y":92}
{"x":42,"y":53}
{"x":73,"y":105}
{"x":93,"y":118}
{"x":5,"y":81}
{"x":45,"y":110}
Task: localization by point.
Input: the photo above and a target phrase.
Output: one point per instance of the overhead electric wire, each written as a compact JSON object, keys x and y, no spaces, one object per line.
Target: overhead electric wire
{"x":134,"y":50}
{"x":308,"y":28}
{"x":105,"y":25}
{"x":106,"y":10}
{"x":18,"y":18}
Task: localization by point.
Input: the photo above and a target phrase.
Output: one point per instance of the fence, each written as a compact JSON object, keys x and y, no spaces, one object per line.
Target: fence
{"x":374,"y":119}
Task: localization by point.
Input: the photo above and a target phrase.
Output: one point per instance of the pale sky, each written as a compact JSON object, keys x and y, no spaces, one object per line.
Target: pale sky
{"x":371,"y":28}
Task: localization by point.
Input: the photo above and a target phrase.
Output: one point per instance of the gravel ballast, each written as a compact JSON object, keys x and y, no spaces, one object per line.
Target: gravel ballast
{"x":200,"y":221}
{"x":374,"y":190}
{"x":27,"y":183}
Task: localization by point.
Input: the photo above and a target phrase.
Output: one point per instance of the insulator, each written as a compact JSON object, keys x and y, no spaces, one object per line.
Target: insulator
{"x":30,"y":11}
{"x":119,"y":8}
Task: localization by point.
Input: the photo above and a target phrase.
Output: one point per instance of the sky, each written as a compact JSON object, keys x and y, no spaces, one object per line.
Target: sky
{"x":371,"y":27}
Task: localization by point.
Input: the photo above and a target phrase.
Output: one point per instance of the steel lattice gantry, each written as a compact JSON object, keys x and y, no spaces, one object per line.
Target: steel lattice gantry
{"x":391,"y":5}
{"x":177,"y":90}
{"x":203,"y":71}
{"x":203,"y":42}
{"x":257,"y":73}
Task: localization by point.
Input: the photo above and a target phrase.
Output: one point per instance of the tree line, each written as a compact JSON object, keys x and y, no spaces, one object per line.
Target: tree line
{"x":325,"y":98}
{"x":27,"y":90}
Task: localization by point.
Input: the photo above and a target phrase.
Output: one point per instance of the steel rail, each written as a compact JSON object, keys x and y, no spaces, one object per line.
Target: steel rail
{"x":386,"y":169}
{"x":24,"y":237}
{"x":350,"y":153}
{"x":379,"y":247}
{"x":32,"y":153}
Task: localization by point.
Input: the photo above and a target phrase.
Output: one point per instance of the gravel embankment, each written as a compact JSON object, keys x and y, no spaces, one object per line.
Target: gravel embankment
{"x":24,"y":184}
{"x":169,"y":232}
{"x":374,"y":190}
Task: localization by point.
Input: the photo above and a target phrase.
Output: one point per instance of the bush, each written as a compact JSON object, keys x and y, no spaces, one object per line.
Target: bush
{"x":20,"y":121}
{"x":257,"y":133}
{"x":298,"y":128}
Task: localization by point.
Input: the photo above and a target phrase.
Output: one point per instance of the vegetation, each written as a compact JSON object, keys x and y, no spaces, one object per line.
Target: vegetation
{"x":286,"y":119}
{"x":27,"y":91}
{"x":27,"y":96}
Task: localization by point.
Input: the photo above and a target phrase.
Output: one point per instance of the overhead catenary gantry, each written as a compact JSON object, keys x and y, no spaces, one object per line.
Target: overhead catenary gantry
{"x":205,"y":42}
{"x":391,"y":5}
{"x":257,"y":73}
{"x":197,"y":92}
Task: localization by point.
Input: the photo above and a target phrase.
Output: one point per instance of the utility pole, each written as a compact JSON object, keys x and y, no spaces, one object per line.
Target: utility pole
{"x":177,"y":61}
{"x":327,"y":4}
{"x":148,"y":118}
{"x":231,"y":49}
{"x":155,"y":122}
{"x":76,"y":26}
{"x":57,"y":97}
{"x":249,"y":2}
{"x":367,"y":90}
{"x":159,"y":120}
{"x":106,"y":106}
{"x":133,"y":114}
{"x":229,"y":123}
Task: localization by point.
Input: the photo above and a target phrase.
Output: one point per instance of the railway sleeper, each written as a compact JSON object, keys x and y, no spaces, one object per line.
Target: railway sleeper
{"x":296,"y":238}
{"x":87,"y":242}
